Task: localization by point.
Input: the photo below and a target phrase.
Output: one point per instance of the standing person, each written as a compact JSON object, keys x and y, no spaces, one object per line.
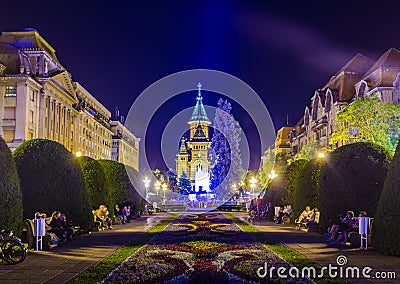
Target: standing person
{"x":259,"y":204}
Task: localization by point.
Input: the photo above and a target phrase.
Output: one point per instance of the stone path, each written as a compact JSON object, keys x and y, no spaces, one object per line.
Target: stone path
{"x":61,"y":264}
{"x":314,"y":247}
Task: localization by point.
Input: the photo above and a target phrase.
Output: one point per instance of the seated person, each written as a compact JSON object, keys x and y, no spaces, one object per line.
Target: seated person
{"x":279,"y":215}
{"x":336,"y":220}
{"x":57,"y":226}
{"x":118,"y":213}
{"x":287,"y":211}
{"x":126,"y":211}
{"x":306,"y":216}
{"x":102,"y":216}
{"x":347,"y":225}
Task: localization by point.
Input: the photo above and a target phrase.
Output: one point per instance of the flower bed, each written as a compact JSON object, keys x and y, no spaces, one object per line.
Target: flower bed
{"x":201,"y":248}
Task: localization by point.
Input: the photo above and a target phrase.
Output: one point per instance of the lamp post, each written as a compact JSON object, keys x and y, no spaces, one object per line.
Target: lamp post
{"x":157,"y":185}
{"x":146,"y":184}
{"x":164,"y":187}
{"x":253,"y":182}
{"x":271,"y":176}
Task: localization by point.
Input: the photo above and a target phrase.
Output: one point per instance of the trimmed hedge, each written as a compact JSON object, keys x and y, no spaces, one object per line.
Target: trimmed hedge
{"x":118,"y":181}
{"x":307,"y":187}
{"x":95,"y":181}
{"x":292,"y":173}
{"x":352,"y":179}
{"x":386,"y":229}
{"x":10,"y":192}
{"x":51,"y":179}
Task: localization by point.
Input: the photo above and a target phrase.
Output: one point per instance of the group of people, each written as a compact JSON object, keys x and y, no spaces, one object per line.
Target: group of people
{"x":342,"y":225}
{"x":57,"y":225}
{"x":283,"y":212}
{"x":124,"y":213}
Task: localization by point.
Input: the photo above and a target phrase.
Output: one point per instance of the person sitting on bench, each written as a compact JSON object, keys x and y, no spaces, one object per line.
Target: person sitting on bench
{"x":306,"y":216}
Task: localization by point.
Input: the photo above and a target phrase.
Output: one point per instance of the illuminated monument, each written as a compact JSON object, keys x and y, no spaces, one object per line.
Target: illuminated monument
{"x":192,"y":159}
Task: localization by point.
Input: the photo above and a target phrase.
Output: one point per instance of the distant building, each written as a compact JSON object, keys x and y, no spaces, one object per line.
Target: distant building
{"x":125,"y":145}
{"x":359,"y":77}
{"x":282,"y":141}
{"x":39,"y":99}
{"x":193,"y":154}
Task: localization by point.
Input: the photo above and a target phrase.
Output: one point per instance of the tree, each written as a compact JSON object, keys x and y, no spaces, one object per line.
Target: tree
{"x":352,"y":178}
{"x":52,"y":180}
{"x":310,"y":151}
{"x":95,"y":181}
{"x":184,"y":184}
{"x":268,"y":161}
{"x":225,"y":143}
{"x":368,"y":119}
{"x":10,"y":192}
{"x":386,"y":230}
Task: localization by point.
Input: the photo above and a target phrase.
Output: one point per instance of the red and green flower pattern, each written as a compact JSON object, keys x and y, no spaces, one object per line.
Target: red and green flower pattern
{"x":199,"y":248}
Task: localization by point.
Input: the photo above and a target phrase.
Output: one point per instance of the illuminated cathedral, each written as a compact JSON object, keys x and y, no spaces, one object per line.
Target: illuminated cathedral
{"x":192,"y":159}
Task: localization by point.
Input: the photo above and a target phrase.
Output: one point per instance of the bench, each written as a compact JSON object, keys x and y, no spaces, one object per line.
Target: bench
{"x":310,"y":226}
{"x":48,"y":241}
{"x":355,"y":238}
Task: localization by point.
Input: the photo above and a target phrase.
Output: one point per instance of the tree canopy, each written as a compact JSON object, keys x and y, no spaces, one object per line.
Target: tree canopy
{"x":368,"y":120}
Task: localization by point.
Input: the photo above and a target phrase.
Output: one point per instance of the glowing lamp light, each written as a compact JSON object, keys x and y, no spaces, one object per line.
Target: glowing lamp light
{"x":321,"y":155}
{"x":78,"y":154}
{"x":157,"y":185}
{"x":272,"y":175}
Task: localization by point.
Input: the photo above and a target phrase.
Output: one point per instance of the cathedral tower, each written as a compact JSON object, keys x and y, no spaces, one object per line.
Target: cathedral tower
{"x":193,"y":154}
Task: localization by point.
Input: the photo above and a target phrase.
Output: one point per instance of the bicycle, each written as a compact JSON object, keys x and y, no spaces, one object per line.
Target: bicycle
{"x":11,"y":248}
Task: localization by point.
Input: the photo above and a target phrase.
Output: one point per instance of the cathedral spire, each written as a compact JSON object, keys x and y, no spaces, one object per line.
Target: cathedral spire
{"x":182,"y":148}
{"x":199,"y":112}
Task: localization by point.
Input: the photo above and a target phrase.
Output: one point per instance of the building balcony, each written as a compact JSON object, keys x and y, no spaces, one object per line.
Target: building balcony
{"x":8,"y":122}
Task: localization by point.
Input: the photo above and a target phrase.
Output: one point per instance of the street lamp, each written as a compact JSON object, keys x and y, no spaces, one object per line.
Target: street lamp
{"x":164,"y":187}
{"x":146,"y":184}
{"x":321,"y":155}
{"x":157,"y":185}
{"x":78,"y":154}
{"x":272,"y":175}
{"x":253,"y":182}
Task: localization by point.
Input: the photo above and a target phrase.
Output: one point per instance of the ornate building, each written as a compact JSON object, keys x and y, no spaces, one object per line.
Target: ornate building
{"x":39,"y":99}
{"x":193,"y":158}
{"x":359,"y":77}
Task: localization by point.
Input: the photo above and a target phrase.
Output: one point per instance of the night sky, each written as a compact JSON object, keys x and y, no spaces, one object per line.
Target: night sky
{"x":283,"y":49}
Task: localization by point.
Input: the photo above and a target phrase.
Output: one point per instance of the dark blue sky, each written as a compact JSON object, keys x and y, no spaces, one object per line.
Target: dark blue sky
{"x":283,"y":49}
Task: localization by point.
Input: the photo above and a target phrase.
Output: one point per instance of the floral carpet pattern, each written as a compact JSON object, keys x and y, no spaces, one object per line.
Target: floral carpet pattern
{"x":199,"y":248}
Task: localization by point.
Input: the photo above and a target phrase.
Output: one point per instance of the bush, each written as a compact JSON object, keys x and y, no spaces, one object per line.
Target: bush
{"x":386,"y":229}
{"x":292,"y":173}
{"x":307,"y":187}
{"x":121,"y":188}
{"x":10,"y":192}
{"x":95,"y":181}
{"x":352,"y":179}
{"x":51,"y":179}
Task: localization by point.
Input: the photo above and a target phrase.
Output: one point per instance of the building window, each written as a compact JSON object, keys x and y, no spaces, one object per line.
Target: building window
{"x":30,"y":116}
{"x":9,"y":113}
{"x":11,"y":91}
{"x":8,"y":135}
{"x":32,"y":95}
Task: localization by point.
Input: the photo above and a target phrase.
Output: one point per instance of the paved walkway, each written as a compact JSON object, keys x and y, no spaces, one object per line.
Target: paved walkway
{"x":61,"y":264}
{"x":314,"y":247}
